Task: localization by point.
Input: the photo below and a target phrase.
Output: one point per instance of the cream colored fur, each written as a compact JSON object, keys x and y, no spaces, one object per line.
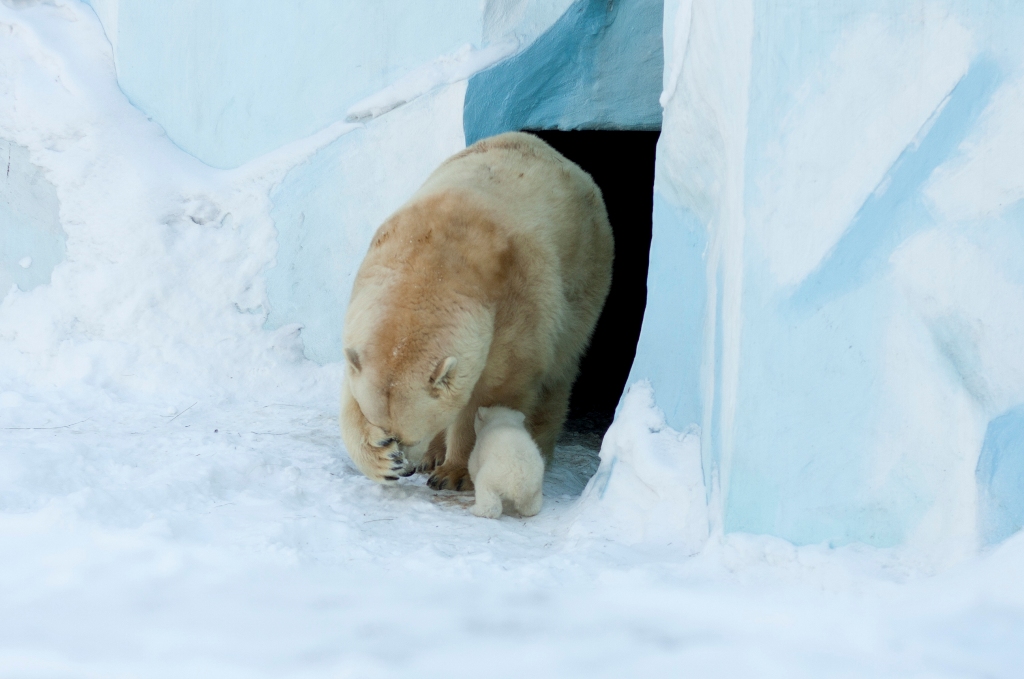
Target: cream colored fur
{"x":483,"y":289}
{"x":505,"y":465}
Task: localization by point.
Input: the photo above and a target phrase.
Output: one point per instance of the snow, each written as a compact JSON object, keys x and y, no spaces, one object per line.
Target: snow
{"x":174,"y":499}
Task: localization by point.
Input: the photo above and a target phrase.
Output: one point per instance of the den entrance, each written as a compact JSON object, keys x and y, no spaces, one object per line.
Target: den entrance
{"x":622,"y":164}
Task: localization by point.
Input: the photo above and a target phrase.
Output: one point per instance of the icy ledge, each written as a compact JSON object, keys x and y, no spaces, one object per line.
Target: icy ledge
{"x":650,"y":485}
{"x":445,"y":70}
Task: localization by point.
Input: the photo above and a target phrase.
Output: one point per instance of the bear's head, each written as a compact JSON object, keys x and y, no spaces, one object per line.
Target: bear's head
{"x":411,"y":378}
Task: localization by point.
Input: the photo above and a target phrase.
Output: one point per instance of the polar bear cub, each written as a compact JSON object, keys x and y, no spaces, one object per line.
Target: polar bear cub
{"x":505,"y":464}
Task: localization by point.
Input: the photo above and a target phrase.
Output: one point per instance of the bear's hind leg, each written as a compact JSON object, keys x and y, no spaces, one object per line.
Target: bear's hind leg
{"x":548,"y":416}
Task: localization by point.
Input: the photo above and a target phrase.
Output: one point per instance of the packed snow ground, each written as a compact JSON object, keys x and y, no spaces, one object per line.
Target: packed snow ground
{"x":174,"y":499}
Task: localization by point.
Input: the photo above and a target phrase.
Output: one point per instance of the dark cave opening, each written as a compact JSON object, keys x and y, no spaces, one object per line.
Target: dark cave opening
{"x":622,"y":164}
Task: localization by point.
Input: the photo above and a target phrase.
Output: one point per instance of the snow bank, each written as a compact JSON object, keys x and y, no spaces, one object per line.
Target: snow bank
{"x":160,"y":290}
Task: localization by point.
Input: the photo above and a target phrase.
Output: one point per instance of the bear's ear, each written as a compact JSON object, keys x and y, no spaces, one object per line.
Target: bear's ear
{"x":353,"y":359}
{"x":481,"y":413}
{"x":442,"y":376}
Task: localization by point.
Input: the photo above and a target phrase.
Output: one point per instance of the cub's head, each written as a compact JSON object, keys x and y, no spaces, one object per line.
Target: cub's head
{"x":495,"y":415}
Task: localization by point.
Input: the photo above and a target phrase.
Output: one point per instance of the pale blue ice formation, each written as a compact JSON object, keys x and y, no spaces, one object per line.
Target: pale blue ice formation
{"x":598,"y":67}
{"x":1001,"y":476}
{"x":843,"y":177}
{"x":31,"y":237}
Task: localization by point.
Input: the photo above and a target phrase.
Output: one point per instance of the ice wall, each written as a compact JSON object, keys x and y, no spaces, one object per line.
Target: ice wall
{"x":835,"y":293}
{"x":598,"y":67}
{"x":230,"y":81}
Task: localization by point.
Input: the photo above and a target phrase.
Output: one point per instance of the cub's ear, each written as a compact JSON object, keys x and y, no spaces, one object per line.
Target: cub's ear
{"x":353,"y":359}
{"x":442,"y":376}
{"x":481,"y":413}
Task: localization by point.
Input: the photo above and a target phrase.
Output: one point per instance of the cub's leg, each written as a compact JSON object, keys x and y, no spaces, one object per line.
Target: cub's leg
{"x":454,"y":473}
{"x":488,"y":503}
{"x":530,"y":506}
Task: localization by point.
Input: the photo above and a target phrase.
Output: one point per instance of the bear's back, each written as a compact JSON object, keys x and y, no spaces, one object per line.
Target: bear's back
{"x":549,"y":205}
{"x":528,"y":185}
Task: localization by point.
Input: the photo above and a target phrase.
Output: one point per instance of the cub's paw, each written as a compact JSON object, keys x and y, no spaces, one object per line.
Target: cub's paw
{"x":450,"y":478}
{"x":486,"y":511}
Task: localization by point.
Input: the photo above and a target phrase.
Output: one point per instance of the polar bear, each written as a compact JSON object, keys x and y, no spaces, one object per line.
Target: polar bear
{"x":505,"y":464}
{"x":483,"y":289}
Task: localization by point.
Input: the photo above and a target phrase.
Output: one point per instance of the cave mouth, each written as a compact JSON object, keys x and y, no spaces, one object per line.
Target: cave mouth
{"x":622,"y":164}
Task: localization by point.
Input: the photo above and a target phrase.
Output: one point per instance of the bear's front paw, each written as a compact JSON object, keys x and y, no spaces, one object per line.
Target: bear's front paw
{"x":399,"y":465}
{"x":385,"y":465}
{"x":450,"y":478}
{"x":402,"y":466}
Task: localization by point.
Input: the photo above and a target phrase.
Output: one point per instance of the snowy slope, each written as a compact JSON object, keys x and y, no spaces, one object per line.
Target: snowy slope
{"x":174,"y":500}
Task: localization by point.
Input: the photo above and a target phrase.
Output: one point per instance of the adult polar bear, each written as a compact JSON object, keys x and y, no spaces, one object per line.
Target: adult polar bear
{"x":482,"y":290}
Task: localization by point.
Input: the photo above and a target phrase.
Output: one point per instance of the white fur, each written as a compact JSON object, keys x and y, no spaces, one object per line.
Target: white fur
{"x":505,"y":465}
